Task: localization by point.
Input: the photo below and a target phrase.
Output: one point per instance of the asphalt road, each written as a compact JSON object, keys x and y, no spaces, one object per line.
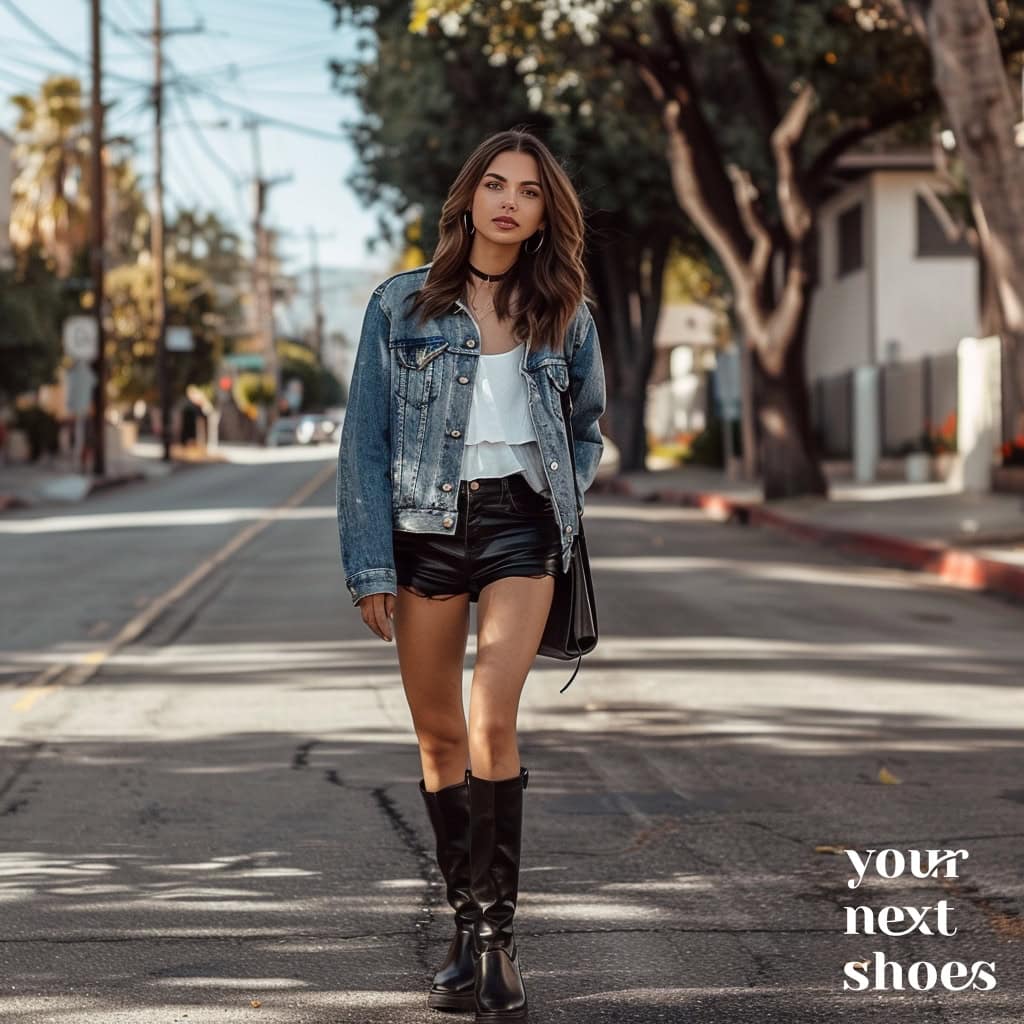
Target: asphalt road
{"x":208,"y":801}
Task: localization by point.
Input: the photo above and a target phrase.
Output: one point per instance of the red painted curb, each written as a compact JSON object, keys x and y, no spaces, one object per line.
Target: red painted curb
{"x":952,"y":565}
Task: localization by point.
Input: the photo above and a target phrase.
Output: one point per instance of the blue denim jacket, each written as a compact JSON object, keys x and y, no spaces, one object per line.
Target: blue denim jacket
{"x":401,"y":444}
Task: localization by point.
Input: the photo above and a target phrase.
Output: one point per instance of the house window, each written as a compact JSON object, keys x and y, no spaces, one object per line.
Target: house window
{"x":851,"y":239}
{"x":932,"y":239}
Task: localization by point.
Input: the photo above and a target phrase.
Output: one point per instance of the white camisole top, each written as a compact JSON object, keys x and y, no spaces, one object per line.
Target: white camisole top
{"x":500,"y":438}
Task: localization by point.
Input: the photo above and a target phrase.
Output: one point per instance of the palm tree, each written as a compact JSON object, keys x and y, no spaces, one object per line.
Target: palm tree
{"x":50,"y":191}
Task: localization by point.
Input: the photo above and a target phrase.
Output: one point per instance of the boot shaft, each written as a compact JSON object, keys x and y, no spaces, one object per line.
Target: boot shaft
{"x":496,"y":828}
{"x":448,"y":810}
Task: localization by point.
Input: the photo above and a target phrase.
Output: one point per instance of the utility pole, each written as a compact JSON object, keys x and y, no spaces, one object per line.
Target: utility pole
{"x":96,"y":198}
{"x":318,"y":309}
{"x":157,"y":231}
{"x":263,"y":292}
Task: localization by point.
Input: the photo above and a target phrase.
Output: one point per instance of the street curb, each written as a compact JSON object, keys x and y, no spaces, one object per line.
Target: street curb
{"x":11,"y":502}
{"x":950,"y":564}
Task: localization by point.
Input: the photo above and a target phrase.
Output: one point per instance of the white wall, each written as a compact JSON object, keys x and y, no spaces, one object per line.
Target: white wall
{"x":926,"y":303}
{"x":838,"y":325}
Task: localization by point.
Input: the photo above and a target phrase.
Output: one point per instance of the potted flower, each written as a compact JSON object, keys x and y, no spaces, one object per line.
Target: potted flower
{"x":942,"y":444}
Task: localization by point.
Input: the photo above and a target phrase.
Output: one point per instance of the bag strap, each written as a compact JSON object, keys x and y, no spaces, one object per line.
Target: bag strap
{"x":567,"y":416}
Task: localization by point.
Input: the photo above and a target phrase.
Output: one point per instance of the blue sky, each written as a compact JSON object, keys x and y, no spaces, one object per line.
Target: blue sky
{"x":261,"y":55}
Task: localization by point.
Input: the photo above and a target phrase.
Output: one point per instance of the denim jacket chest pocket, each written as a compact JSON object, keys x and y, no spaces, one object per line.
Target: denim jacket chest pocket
{"x":417,"y":369}
{"x":550,"y":379}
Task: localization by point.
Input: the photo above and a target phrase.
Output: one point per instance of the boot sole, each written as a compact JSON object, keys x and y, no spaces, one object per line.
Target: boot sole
{"x":497,"y":1017}
{"x":450,"y":1001}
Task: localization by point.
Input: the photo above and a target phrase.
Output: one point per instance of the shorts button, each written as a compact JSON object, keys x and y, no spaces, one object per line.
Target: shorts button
{"x":470,"y":343}
{"x":474,"y":485}
{"x":554,"y":465}
{"x":446,"y":522}
{"x":456,"y":433}
{"x":446,"y":487}
{"x":463,"y":380}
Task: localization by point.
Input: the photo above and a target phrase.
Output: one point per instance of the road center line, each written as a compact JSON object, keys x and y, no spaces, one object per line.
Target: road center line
{"x":81,"y":672}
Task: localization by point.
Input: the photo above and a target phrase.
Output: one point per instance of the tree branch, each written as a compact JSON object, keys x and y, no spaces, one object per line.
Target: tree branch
{"x":746,"y":193}
{"x":795,"y":214}
{"x":863,"y":128}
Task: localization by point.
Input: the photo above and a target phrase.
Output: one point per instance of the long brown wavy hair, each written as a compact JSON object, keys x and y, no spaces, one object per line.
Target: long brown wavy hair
{"x":548,"y":285}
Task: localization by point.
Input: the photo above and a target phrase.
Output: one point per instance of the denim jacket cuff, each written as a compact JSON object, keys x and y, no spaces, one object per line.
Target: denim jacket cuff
{"x":372,"y":581}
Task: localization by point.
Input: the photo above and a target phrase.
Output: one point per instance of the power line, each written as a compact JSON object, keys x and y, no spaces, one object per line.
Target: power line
{"x":54,"y":43}
{"x":291,"y":126}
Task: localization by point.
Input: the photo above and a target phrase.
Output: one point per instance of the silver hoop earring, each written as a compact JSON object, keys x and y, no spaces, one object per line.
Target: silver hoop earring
{"x":467,"y":223}
{"x":539,"y":244}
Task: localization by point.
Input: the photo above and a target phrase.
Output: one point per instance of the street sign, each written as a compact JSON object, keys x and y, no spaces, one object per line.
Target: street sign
{"x":80,"y":381}
{"x":178,"y":339}
{"x":81,"y":338}
{"x":727,"y":382}
{"x":293,"y":393}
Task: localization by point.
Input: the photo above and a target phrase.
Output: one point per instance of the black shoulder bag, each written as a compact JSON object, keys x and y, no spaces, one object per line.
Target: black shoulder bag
{"x":571,"y":629}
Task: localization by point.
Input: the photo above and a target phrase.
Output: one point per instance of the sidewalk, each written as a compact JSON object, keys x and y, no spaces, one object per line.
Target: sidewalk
{"x":57,"y":480}
{"x":970,"y":540}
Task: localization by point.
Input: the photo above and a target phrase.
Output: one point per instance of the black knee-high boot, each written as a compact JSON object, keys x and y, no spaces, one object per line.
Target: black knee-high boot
{"x":496,"y":827}
{"x":448,"y":810}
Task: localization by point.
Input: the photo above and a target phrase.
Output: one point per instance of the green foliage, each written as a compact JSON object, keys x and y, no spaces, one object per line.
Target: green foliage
{"x":254,"y":389}
{"x":706,"y":449}
{"x":33,"y":306}
{"x":131,"y":332}
{"x":428,"y":100}
{"x":320,"y":388}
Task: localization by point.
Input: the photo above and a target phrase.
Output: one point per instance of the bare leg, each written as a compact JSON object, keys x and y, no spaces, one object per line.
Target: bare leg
{"x":510,"y":622}
{"x":431,"y":634}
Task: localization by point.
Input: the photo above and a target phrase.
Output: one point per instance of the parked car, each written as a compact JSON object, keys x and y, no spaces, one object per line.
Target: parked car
{"x":308,"y":428}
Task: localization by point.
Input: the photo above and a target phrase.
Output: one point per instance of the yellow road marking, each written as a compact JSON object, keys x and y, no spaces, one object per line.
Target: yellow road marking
{"x":77,"y":673}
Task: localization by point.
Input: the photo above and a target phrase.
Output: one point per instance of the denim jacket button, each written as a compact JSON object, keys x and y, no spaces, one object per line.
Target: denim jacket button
{"x":554,"y":465}
{"x":470,"y":343}
{"x":446,"y":487}
{"x":568,"y":529}
{"x":446,"y":522}
{"x":456,"y":433}
{"x":463,"y":380}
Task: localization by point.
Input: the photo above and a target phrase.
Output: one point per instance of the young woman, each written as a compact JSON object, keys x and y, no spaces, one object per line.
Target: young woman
{"x":455,"y":485}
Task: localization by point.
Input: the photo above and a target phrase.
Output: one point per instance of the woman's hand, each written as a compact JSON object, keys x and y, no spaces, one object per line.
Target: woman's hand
{"x":378,"y":610}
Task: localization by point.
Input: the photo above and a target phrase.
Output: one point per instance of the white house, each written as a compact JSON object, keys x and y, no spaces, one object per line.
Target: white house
{"x":891,"y":286}
{"x":684,"y":347}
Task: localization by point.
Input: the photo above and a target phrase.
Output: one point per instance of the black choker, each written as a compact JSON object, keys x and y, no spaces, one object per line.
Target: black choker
{"x":487,"y":277}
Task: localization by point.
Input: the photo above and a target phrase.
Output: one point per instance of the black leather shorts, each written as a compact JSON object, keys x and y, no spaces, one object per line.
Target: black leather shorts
{"x":505,"y":529}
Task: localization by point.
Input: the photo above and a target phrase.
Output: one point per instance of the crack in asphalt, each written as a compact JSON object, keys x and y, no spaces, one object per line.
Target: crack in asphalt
{"x":33,"y":750}
{"x":300,"y":759}
{"x":427,"y":870}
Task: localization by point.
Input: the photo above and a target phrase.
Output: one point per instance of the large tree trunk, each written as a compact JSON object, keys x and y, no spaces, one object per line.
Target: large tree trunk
{"x":789,"y":457}
{"x":773,"y":315}
{"x":971,"y":78}
{"x":627,"y":274}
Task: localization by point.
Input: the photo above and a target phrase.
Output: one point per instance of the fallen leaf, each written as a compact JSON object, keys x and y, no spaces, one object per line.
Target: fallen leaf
{"x":830,"y":849}
{"x":885,"y":776}
{"x":255,"y":1002}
